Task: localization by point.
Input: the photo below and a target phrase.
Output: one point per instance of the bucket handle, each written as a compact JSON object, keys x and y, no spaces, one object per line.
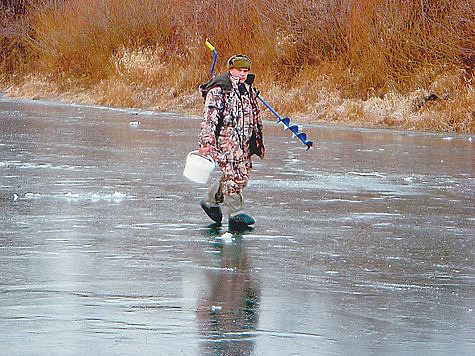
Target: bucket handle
{"x":197,"y":153}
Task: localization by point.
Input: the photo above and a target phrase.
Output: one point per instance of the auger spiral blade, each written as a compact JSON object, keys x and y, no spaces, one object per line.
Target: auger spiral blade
{"x":288,"y":125}
{"x":285,"y":121}
{"x":294,"y":129}
{"x":303,"y":137}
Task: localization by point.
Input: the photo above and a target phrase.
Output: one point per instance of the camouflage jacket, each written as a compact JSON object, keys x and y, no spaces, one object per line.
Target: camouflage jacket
{"x":231,"y":123}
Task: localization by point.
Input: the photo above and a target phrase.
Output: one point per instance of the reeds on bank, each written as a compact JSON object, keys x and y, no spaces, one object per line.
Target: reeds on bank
{"x":393,"y":63}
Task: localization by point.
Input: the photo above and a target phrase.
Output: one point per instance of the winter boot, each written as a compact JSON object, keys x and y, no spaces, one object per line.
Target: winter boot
{"x":240,"y":221}
{"x":214,"y":212}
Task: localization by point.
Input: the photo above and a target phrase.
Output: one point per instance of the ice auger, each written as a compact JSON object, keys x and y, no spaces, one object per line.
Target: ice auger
{"x":302,"y":136}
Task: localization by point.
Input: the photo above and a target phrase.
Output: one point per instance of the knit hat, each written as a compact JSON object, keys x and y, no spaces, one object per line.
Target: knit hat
{"x":239,"y":61}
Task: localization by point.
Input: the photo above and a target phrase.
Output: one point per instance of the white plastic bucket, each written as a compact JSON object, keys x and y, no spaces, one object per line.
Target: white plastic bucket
{"x":198,"y":168}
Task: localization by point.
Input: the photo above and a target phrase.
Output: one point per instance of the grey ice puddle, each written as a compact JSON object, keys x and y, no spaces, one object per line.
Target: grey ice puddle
{"x":339,"y":183}
{"x":268,"y":237}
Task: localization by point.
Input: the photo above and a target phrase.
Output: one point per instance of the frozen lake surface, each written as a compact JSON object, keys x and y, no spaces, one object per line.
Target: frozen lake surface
{"x":363,"y":245}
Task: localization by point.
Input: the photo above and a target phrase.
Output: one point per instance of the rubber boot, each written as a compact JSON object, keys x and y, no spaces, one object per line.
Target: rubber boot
{"x":210,"y":203}
{"x":237,"y":219}
{"x":214,"y":212}
{"x":240,"y":221}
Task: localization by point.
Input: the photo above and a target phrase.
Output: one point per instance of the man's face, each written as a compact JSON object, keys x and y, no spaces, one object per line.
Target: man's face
{"x":239,"y":72}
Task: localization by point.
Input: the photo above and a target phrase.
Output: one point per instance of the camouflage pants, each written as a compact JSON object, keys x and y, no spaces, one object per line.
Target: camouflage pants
{"x":235,"y":175}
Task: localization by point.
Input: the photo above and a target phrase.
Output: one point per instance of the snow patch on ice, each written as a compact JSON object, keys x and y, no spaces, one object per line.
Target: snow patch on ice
{"x":116,"y":196}
{"x":32,"y":165}
{"x":227,"y":237}
{"x":370,"y":174}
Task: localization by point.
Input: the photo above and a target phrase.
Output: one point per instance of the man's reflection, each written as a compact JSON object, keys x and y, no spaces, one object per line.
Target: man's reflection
{"x":228,"y":312}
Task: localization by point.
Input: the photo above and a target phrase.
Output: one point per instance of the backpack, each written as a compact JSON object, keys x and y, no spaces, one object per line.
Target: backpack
{"x":223,"y":82}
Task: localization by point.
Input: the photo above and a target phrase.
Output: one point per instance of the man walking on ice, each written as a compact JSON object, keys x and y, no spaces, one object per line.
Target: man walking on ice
{"x":231,"y":132}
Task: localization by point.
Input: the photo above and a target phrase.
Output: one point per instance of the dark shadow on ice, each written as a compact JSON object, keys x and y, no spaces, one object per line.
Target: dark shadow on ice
{"x":214,"y":226}
{"x":212,"y":230}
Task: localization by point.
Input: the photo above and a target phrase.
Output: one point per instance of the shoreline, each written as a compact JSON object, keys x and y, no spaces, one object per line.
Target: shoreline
{"x":299,"y":119}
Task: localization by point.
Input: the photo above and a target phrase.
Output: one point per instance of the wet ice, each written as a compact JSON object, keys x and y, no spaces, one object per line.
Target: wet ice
{"x":362,"y":243}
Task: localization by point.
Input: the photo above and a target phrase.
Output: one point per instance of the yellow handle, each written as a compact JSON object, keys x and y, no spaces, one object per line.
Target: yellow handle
{"x":209,"y":45}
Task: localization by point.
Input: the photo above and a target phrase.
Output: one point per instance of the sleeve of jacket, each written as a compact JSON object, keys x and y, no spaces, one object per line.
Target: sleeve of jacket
{"x":212,"y":109}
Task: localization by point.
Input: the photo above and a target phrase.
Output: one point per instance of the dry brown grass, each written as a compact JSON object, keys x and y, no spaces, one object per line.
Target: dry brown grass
{"x":363,"y":62}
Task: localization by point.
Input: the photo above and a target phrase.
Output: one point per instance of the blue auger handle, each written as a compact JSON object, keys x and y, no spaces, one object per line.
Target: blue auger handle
{"x":286,"y":121}
{"x":215,"y":57}
{"x":280,"y":118}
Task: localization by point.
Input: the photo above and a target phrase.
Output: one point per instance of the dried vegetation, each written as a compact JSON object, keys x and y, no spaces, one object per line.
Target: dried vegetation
{"x":386,"y":63}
